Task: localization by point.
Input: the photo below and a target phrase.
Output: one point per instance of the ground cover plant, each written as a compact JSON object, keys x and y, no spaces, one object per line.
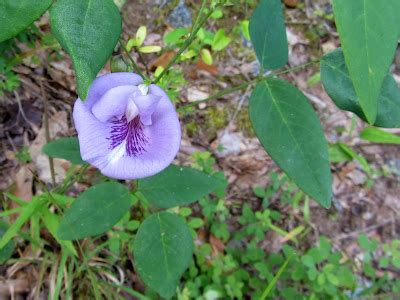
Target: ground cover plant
{"x":180,"y":150}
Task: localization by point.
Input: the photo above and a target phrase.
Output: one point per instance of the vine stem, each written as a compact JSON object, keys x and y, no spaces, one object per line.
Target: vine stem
{"x":133,"y":63}
{"x":185,"y":45}
{"x":244,"y":85}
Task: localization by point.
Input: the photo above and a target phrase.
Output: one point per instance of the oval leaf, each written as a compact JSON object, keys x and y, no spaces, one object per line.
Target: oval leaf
{"x":15,"y":16}
{"x":95,"y":211}
{"x":291,"y":133}
{"x":88,"y":31}
{"x":268,"y":34}
{"x":178,"y":186}
{"x":65,"y":148}
{"x":163,"y":249}
{"x":337,"y":83}
{"x":368,"y":33}
{"x":376,"y":135}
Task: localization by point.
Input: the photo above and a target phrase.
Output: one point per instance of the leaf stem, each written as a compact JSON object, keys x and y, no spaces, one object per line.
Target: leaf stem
{"x":221,"y":93}
{"x":133,"y":63}
{"x":243,"y":86}
{"x":185,"y":45}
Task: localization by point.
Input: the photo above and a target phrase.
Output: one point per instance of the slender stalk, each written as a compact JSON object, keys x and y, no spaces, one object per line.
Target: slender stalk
{"x":203,"y":5}
{"x":243,"y":86}
{"x":184,"y":46}
{"x":299,"y":67}
{"x":274,"y":280}
{"x":133,"y":63}
{"x":221,"y":93}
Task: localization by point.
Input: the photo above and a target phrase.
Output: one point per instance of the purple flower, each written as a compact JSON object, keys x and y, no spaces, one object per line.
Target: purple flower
{"x":126,"y":129}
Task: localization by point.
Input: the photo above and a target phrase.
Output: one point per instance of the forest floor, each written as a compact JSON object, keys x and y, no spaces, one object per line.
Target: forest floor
{"x":366,"y":195}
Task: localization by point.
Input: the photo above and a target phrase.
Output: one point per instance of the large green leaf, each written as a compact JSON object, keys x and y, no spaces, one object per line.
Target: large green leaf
{"x":337,"y":83}
{"x":66,"y":148}
{"x":15,"y":15}
{"x":291,"y":133}
{"x":163,"y":249}
{"x":88,"y":30}
{"x":268,"y":34}
{"x":368,"y":31}
{"x":178,"y":186}
{"x":95,"y":211}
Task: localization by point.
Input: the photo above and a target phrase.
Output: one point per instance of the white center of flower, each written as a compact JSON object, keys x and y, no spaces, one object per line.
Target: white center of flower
{"x":117,"y":153}
{"x":132,"y":111}
{"x":144,"y":89}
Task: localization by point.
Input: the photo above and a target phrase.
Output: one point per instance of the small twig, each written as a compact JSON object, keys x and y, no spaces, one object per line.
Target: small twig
{"x":21,"y":110}
{"x":244,"y":85}
{"x":133,"y":63}
{"x":47,"y":130}
{"x":144,"y":64}
{"x":220,"y":94}
{"x":364,"y":230}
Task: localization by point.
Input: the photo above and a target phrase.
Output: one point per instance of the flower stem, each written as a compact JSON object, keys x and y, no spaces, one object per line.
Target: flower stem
{"x":244,"y":85}
{"x":185,"y":45}
{"x":133,"y":63}
{"x":221,"y":93}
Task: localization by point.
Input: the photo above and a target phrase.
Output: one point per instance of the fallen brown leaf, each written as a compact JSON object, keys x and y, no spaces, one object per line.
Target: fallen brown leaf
{"x":201,"y":65}
{"x":162,"y":61}
{"x":291,"y":3}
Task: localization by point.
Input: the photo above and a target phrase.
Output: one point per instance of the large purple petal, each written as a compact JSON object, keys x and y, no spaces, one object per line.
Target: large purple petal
{"x":147,"y":105}
{"x":92,"y":135}
{"x":106,"y":82}
{"x":113,"y":102}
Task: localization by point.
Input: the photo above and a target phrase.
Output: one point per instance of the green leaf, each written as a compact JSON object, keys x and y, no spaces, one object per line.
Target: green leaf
{"x":52,"y":222}
{"x":27,"y":211}
{"x":366,"y":243}
{"x":163,"y":249}
{"x":15,"y":16}
{"x":178,"y":186}
{"x":368,"y":33}
{"x":350,"y":152}
{"x":175,"y":36}
{"x":288,"y":128}
{"x":206,"y":56}
{"x":65,"y":148}
{"x":376,"y":135}
{"x":268,"y":34}
{"x":141,"y":34}
{"x":220,"y":40}
{"x":8,"y":249}
{"x":95,"y":211}
{"x":88,"y":31}
{"x":150,"y":49}
{"x":337,"y":154}
{"x":337,"y":83}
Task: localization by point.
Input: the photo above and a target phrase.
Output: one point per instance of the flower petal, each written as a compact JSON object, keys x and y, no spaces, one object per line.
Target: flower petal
{"x":146,"y":105}
{"x":92,"y":135}
{"x":106,"y":82}
{"x":164,"y":137}
{"x":113,"y":103}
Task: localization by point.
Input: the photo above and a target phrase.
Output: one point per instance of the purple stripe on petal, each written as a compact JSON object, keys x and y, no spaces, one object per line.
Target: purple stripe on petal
{"x":132,"y":132}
